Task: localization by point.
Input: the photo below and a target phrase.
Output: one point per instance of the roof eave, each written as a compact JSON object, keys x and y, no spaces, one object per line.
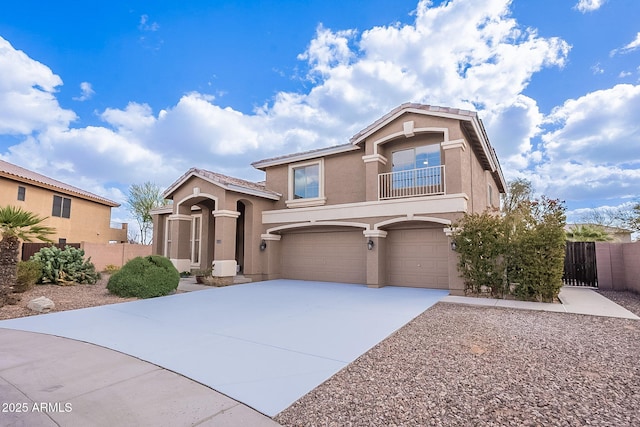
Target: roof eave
{"x":298,"y":157}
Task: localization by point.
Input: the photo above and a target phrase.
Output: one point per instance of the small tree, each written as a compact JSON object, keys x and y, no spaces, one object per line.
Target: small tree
{"x":16,"y":225}
{"x":519,"y":191}
{"x":142,"y":199}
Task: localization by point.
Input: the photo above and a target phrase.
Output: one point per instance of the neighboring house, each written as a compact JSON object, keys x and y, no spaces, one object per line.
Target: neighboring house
{"x":75,"y":214}
{"x":377,"y":210}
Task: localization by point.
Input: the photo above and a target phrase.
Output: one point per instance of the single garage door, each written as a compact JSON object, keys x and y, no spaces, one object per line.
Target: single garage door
{"x":335,"y":256}
{"x":418,"y":258}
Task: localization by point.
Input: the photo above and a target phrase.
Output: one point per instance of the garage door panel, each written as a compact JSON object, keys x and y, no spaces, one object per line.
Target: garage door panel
{"x":418,"y":257}
{"x":327,"y":256}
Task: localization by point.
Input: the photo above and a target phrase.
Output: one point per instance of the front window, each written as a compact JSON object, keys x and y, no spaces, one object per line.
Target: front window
{"x":21,"y":193}
{"x":306,"y":182}
{"x":417,"y":167}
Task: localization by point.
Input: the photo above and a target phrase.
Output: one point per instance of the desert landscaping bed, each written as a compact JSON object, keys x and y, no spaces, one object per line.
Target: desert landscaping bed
{"x":457,"y":365}
{"x":64,"y":297}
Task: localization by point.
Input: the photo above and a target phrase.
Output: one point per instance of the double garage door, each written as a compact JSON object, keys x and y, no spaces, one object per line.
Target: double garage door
{"x":325,"y":256}
{"x":414,"y":257}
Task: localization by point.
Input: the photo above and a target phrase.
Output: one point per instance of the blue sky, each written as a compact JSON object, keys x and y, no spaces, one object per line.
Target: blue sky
{"x":114,"y":93}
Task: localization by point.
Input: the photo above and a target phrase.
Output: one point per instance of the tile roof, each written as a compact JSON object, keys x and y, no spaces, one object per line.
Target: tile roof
{"x":304,"y":155}
{"x":17,"y":173}
{"x":411,"y":105}
{"x":225,"y":181}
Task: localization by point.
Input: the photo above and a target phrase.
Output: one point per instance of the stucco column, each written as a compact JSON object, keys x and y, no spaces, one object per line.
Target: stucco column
{"x":271,"y":256}
{"x":373,"y":167}
{"x":180,"y":225}
{"x":224,"y":260}
{"x":456,"y":282}
{"x":376,"y":258}
{"x":454,"y":166}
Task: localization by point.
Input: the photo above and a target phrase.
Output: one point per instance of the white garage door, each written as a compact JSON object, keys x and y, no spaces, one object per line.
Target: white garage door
{"x":324,"y":256}
{"x":418,"y":258}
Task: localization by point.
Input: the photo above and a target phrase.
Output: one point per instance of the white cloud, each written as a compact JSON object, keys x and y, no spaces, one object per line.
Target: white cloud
{"x":27,"y":94}
{"x":597,"y":69}
{"x":467,"y":54}
{"x":594,"y":150}
{"x":585,"y":6}
{"x":629,"y":47}
{"x":87,"y":92}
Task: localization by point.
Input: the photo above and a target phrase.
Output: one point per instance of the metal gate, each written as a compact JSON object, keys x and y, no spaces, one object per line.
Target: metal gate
{"x":580,"y":264}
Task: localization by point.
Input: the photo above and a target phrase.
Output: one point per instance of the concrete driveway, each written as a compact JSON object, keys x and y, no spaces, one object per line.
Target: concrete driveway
{"x":265,"y":344}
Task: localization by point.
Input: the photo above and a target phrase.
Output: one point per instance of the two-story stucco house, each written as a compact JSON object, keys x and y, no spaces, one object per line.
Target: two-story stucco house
{"x":76,"y":215}
{"x":376,"y":210}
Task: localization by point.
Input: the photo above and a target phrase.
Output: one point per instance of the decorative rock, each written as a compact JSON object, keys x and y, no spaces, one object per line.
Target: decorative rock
{"x":41,"y":305}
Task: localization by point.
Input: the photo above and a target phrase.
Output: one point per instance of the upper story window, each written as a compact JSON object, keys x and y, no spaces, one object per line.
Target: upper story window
{"x":61,"y":207}
{"x":416,"y":158}
{"x":21,"y":193}
{"x":306,"y":184}
{"x":414,"y":172}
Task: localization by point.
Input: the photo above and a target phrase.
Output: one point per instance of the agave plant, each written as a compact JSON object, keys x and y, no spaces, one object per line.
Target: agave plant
{"x":16,"y":225}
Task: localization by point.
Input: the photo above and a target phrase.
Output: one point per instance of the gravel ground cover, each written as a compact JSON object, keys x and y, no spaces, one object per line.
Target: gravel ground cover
{"x":457,"y":365}
{"x":64,"y":297}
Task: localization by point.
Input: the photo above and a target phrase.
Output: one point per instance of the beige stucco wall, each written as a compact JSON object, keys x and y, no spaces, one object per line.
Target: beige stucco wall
{"x":89,"y":221}
{"x":103,"y":254}
{"x":218,"y":238}
{"x":348,"y":179}
{"x":618,"y":267}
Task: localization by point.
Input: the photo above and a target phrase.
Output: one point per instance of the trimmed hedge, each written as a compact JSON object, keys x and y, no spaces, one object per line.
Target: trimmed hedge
{"x":145,"y":277}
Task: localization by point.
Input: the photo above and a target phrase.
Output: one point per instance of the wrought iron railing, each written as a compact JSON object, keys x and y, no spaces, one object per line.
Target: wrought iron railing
{"x":411,"y":183}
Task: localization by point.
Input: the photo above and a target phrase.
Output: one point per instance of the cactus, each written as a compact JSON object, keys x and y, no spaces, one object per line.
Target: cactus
{"x":65,"y":267}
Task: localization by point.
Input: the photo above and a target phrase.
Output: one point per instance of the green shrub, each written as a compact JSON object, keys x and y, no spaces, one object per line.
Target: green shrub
{"x":148,"y":277}
{"x":29,"y":273}
{"x":521,"y":253}
{"x":65,"y":267}
{"x":480,"y":244}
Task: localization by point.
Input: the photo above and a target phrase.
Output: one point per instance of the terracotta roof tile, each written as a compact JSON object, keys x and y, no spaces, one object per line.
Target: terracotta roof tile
{"x":18,"y":173}
{"x":223,"y":180}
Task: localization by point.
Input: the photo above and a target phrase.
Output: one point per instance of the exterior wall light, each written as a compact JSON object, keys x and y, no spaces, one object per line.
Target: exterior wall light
{"x":370,"y":244}
{"x":263,"y":245}
{"x":453,"y":245}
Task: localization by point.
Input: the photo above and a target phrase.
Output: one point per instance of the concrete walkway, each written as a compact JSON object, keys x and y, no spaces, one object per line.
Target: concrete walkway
{"x":578,"y":300}
{"x":263,"y":344}
{"x":54,"y":381}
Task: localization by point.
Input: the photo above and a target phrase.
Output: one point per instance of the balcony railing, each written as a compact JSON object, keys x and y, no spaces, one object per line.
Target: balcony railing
{"x":411,"y":183}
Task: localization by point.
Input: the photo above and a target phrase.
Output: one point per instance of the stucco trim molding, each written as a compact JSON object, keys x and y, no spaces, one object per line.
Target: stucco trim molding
{"x":414,"y":131}
{"x":226,"y":213}
{"x":456,"y":143}
{"x":375,"y":158}
{"x":318,"y":224}
{"x":179,"y":217}
{"x":197,"y":194}
{"x":269,"y":236}
{"x":426,"y":205}
{"x":375,"y":233}
{"x":376,"y":226}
